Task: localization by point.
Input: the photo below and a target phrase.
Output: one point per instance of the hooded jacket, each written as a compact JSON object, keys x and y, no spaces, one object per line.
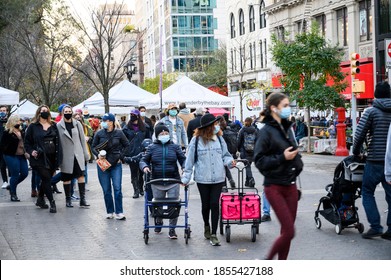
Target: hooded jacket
{"x":269,"y":149}
{"x":186,"y":116}
{"x":374,"y":125}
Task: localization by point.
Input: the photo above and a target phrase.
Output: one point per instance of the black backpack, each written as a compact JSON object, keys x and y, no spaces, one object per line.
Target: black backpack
{"x":249,"y":141}
{"x":231,"y":138}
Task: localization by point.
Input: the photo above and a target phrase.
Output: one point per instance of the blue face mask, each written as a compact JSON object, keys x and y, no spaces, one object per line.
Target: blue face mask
{"x":285,"y":112}
{"x":217,"y":129}
{"x":105,"y":125}
{"x":164,"y":138}
{"x":2,"y":115}
{"x":173,"y":113}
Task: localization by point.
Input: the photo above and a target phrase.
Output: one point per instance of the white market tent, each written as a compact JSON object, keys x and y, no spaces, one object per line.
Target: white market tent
{"x":8,"y":97}
{"x":123,"y":94}
{"x":100,"y":110}
{"x":27,"y":109}
{"x":193,"y":94}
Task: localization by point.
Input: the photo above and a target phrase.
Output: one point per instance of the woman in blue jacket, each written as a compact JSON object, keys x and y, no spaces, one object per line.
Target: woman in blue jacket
{"x":162,"y":159}
{"x":209,"y":160}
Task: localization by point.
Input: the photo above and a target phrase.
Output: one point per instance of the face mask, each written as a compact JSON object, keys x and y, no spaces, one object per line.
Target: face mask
{"x":285,"y":112}
{"x":133,"y":118}
{"x":173,"y":113}
{"x":17,"y":126}
{"x":44,"y":115}
{"x":105,"y":125}
{"x":164,"y":138}
{"x":2,"y":115}
{"x":216,"y":129}
{"x":68,"y":116}
{"x":142,"y":114}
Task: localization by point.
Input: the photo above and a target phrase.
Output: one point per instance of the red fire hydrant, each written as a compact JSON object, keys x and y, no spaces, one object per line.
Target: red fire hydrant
{"x":341,"y":133}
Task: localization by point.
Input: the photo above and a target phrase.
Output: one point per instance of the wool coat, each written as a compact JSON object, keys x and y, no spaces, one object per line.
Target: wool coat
{"x":72,"y":146}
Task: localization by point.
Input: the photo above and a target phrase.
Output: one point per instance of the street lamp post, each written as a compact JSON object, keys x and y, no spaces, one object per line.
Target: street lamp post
{"x":129,"y":69}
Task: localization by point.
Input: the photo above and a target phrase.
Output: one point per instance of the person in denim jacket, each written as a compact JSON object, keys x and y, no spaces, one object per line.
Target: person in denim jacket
{"x":176,"y":126}
{"x":209,"y":170}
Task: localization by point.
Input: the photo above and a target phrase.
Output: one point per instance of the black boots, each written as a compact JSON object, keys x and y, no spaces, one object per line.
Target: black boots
{"x":41,"y":203}
{"x":14,"y":197}
{"x":82,"y":192}
{"x":68,"y":199}
{"x":55,"y":189}
{"x":136,"y":189}
{"x":53,"y":208}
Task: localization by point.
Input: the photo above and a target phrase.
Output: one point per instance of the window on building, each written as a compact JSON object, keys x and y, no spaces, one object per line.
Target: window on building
{"x":241,"y":22}
{"x":233,"y":35}
{"x":301,"y":26}
{"x":265,"y":50}
{"x":321,"y":20}
{"x":384,"y":17}
{"x":261,"y":52}
{"x":232,"y":62}
{"x":262,"y":15}
{"x":365,"y":18}
{"x":251,"y":57}
{"x":255,"y":55}
{"x":280,"y":31}
{"x":342,"y":27}
{"x":242,"y":54}
{"x":251,"y":18}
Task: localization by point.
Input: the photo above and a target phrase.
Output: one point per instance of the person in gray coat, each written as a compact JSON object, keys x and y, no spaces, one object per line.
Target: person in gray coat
{"x":75,"y":155}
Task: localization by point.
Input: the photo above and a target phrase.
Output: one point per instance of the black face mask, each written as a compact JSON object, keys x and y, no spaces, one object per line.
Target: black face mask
{"x":17,"y":126}
{"x":44,"y":115}
{"x":68,"y":116}
{"x":133,"y":118}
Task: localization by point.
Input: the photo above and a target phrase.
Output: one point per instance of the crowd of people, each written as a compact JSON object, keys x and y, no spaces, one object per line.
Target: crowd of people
{"x":187,"y":146}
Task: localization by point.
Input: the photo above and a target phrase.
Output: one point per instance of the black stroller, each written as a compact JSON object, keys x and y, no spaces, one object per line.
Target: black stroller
{"x":338,"y":206}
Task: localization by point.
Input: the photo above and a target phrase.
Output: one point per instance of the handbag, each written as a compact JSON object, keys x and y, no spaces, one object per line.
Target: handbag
{"x":102,"y":146}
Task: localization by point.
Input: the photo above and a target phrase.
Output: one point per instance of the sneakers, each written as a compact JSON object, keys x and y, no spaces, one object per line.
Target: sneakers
{"x":265,"y":218}
{"x":251,"y":182}
{"x":110,"y":216}
{"x":371,"y":233}
{"x":158,"y":230}
{"x":386,"y":235}
{"x":207,"y":232}
{"x":172,"y":234}
{"x":214,"y":241}
{"x":74,"y":197}
{"x":5,"y":185}
{"x":232,"y":184}
{"x":120,"y":216}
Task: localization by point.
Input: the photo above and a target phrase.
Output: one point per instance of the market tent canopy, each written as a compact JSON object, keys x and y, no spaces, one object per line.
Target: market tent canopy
{"x":8,"y":97}
{"x":123,"y":94}
{"x":27,"y":109}
{"x":187,"y":91}
{"x":100,"y":110}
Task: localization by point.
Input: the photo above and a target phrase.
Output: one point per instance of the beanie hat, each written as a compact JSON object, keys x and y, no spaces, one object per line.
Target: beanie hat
{"x":108,"y":117}
{"x":135,"y":112}
{"x":225,"y":115}
{"x":61,"y":107}
{"x":382,"y":90}
{"x":159,"y":128}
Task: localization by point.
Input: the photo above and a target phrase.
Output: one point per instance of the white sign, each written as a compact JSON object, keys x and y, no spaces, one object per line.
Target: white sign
{"x":387,"y":52}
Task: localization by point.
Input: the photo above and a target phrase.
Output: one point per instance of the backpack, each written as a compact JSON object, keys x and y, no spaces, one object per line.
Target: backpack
{"x":249,"y":142}
{"x":230,"y":137}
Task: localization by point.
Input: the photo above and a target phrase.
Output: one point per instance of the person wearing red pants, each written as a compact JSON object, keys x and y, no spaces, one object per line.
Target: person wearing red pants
{"x":277,"y":158}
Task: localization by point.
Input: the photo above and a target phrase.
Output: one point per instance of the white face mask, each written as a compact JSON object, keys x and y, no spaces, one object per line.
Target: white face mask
{"x":142,"y":114}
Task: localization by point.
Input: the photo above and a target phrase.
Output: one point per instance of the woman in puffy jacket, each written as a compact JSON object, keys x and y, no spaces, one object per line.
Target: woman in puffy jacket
{"x":276,"y":156}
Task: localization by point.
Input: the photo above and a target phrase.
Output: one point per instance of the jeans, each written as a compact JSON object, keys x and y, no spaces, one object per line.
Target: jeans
{"x":265,"y":205}
{"x":18,"y":168}
{"x":112,"y":176}
{"x":172,"y":191}
{"x":373,"y":175}
{"x":35,"y":180}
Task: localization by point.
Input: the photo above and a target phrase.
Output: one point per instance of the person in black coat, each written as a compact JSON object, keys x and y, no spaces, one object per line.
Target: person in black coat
{"x":14,"y":155}
{"x":194,"y":123}
{"x":42,"y":143}
{"x":136,"y":131}
{"x":276,"y":157}
{"x":161,"y":160}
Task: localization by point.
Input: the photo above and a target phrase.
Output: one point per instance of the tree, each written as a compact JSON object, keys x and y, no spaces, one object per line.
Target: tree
{"x":108,"y":46}
{"x":310,"y":70}
{"x":152,"y":84}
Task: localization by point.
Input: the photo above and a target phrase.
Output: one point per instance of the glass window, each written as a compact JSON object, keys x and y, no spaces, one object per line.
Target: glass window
{"x":301,"y":26}
{"x":255,"y":56}
{"x":232,"y":26}
{"x":365,"y":18}
{"x":241,"y":22}
{"x":251,"y":57}
{"x":265,"y":50}
{"x":251,"y":17}
{"x":321,"y":20}
{"x":262,"y":16}
{"x":342,"y":28}
{"x":261,"y":53}
{"x":384,"y":17}
{"x":280,"y":30}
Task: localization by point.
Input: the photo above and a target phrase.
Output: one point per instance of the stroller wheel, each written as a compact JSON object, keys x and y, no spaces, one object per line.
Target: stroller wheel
{"x":318,"y":223}
{"x":146,"y":237}
{"x":360,"y":227}
{"x":338,"y":228}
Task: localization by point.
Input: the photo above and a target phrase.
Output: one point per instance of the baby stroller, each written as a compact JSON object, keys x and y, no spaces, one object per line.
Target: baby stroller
{"x":338,"y":206}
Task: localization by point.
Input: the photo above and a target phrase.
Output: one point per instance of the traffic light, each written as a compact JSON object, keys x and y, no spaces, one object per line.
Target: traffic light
{"x":354,"y":64}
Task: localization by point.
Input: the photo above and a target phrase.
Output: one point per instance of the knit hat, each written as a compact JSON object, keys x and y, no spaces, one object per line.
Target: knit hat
{"x":382,"y":90}
{"x":135,"y":112}
{"x":159,"y":128}
{"x":61,"y":107}
{"x":79,"y":111}
{"x":225,"y":115}
{"x":108,"y":116}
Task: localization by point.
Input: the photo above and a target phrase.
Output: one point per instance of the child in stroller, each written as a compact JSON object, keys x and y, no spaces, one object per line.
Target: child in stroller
{"x":339,"y":204}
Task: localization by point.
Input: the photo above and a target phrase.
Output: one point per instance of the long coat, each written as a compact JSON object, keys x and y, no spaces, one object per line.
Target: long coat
{"x":72,"y":146}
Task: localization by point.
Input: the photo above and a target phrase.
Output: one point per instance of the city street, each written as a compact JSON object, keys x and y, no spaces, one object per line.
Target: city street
{"x":30,"y":233}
